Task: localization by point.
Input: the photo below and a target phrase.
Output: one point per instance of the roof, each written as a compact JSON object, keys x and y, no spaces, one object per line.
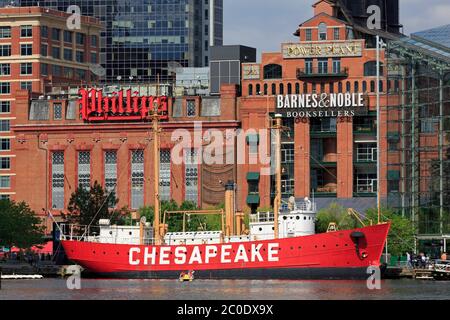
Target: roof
{"x":439,"y":36}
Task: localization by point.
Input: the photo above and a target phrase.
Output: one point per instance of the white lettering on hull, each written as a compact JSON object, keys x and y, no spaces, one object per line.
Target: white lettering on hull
{"x":198,"y":255}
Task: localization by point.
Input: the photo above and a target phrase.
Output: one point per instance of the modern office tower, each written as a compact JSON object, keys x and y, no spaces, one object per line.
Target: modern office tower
{"x":142,"y":37}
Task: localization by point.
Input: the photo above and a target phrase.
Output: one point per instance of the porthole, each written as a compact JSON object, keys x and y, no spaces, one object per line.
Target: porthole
{"x":284,"y":218}
{"x":298,"y":218}
{"x":260,"y":229}
{"x":304,"y":218}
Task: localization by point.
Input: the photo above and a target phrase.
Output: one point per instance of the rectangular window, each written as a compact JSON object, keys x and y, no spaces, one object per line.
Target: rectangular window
{"x":366,"y":152}
{"x":84,"y":170}
{"x":165,"y":175}
{"x":26,"y":31}
{"x":93,"y":58}
{"x":67,"y":36}
{"x":94,"y":41}
{"x":308,"y":66}
{"x":26,"y":68}
{"x":5,"y":182}
{"x":58,"y":180}
{"x":26,"y":85}
{"x":4,"y":126}
{"x":68,"y":72}
{"x":190,"y":108}
{"x":336,"y":66}
{"x":4,"y":197}
{"x":5,"y":106}
{"x":44,"y":69}
{"x":191,"y":176}
{"x":110,"y":173}
{"x":336,"y":33}
{"x":80,"y":56}
{"x":5,"y":144}
{"x":5,"y":88}
{"x":26,"y":49}
{"x":5,"y":163}
{"x":56,"y":52}
{"x":44,"y":50}
{"x":137,"y":179}
{"x":323,"y":66}
{"x":5,"y":69}
{"x":366,"y":182}
{"x":308,"y":34}
{"x":5,"y":32}
{"x":68,"y":54}
{"x":56,"y":34}
{"x":80,"y":39}
{"x":44,"y":31}
{"x":57,"y":70}
{"x":57,"y":111}
{"x":5,"y":50}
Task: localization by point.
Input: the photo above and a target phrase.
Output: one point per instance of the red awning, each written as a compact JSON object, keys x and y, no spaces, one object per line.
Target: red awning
{"x":47,"y":248}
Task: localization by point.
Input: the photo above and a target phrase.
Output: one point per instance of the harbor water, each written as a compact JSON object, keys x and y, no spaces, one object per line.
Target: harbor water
{"x":91,"y":289}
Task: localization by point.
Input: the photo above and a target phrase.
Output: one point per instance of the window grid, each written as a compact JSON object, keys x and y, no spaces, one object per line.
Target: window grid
{"x":190,"y":106}
{"x":111,"y":173}
{"x":5,"y":163}
{"x":57,"y":111}
{"x":5,"y":106}
{"x":191,"y":176}
{"x":5,"y":126}
{"x":58,"y":180}
{"x":137,"y":179}
{"x":165,"y":175}
{"x":5,"y":182}
{"x":84,"y":170}
{"x":5,"y":144}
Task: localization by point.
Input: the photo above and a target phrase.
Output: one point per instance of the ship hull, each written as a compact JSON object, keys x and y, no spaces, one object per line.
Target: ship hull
{"x":336,"y":255}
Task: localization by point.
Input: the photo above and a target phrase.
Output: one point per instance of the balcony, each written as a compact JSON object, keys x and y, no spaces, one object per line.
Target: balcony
{"x":318,"y":72}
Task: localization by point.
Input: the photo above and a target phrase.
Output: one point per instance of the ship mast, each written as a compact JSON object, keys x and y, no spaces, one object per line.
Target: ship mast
{"x":277,"y":201}
{"x":156,"y":159}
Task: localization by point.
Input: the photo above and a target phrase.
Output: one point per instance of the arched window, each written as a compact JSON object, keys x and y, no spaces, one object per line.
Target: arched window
{"x":364,"y":86}
{"x":258,"y":89}
{"x":381,"y":86}
{"x":274,"y":89}
{"x":340,"y":87}
{"x":305,"y":87}
{"x":273,"y":71}
{"x":289,"y":88}
{"x":322,"y":88}
{"x":281,"y":88}
{"x":266,"y":89}
{"x":356,"y":87}
{"x":389,"y":86}
{"x":250,"y":89}
{"x":372,"y":86}
{"x":297,"y":88}
{"x":331,"y":87}
{"x":348,"y":86}
{"x":322,"y":31}
{"x":370,"y":69}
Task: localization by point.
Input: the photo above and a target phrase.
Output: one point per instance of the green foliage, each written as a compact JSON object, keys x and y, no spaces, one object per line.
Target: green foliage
{"x":89,"y":206}
{"x":337,"y":214}
{"x":19,"y":225}
{"x":401,"y":235}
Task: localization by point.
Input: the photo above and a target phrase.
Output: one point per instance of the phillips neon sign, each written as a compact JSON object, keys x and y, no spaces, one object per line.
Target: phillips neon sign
{"x":119,"y":106}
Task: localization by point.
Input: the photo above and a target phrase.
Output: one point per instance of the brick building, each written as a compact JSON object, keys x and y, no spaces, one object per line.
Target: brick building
{"x":39,"y":55}
{"x":329,"y":156}
{"x":326,"y":157}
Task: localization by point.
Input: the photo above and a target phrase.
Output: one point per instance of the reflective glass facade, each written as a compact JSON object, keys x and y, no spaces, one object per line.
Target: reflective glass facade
{"x":142,"y":36}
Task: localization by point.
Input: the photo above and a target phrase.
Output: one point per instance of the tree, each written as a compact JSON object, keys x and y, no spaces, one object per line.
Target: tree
{"x":19,"y":225}
{"x":87,"y":207}
{"x":401,"y":237}
{"x":337,"y":214}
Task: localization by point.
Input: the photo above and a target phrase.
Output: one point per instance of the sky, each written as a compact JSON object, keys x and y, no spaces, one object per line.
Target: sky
{"x":265,"y":24}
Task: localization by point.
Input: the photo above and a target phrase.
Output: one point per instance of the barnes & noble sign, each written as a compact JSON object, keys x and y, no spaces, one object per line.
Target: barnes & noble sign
{"x":322,"y":105}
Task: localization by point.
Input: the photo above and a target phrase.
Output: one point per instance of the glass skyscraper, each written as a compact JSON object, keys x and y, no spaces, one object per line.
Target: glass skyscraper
{"x":141,"y":37}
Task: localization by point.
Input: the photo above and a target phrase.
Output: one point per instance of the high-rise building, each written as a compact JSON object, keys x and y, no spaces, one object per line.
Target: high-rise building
{"x":141,"y":37}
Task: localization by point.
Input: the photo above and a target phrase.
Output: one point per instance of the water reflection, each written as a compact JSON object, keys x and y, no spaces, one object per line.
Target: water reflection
{"x":55,"y":289}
